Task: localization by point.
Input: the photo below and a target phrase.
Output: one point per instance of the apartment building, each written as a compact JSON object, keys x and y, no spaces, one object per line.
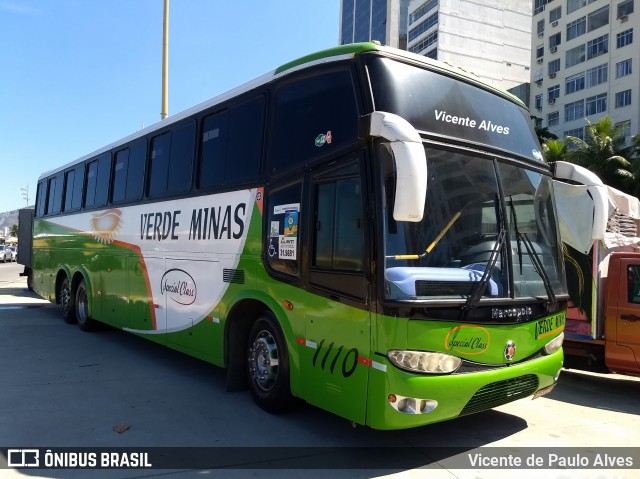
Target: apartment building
{"x":583,"y":54}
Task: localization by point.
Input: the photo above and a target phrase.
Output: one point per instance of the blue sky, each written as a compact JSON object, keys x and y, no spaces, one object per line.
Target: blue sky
{"x":76,"y":75}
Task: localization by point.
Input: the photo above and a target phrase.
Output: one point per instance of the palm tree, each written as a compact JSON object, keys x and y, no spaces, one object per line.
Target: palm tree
{"x":555,"y":150}
{"x":13,"y":231}
{"x":602,"y":152}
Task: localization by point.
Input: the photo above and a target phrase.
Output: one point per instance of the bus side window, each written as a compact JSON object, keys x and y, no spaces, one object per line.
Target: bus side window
{"x":120,"y":167}
{"x":171,"y":162}
{"x":232,"y":145}
{"x":54,"y":203}
{"x":282,"y":246}
{"x":337,"y":248}
{"x":313,"y":117}
{"x":128,"y":169}
{"x":246,"y":129}
{"x":74,"y":181}
{"x":98,"y":173}
{"x":135,"y":172}
{"x":41,"y":198}
{"x":214,"y":150}
{"x":338,"y":223}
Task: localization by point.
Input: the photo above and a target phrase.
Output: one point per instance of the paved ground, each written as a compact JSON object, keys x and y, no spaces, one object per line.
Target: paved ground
{"x":61,"y":387}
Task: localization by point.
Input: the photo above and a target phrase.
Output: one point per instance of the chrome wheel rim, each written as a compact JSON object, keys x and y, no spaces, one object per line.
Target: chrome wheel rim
{"x":263,"y":360}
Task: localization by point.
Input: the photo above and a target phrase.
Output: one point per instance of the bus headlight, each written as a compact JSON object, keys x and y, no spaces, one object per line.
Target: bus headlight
{"x":555,"y":344}
{"x":424,"y":362}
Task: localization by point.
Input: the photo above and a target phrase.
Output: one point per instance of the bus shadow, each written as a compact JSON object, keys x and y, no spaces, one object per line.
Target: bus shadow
{"x":612,"y":392}
{"x":442,"y":439}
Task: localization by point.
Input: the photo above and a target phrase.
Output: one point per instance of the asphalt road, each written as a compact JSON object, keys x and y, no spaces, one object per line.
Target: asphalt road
{"x":61,"y":387}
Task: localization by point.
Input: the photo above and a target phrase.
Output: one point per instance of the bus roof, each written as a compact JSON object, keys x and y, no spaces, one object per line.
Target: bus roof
{"x":339,"y":53}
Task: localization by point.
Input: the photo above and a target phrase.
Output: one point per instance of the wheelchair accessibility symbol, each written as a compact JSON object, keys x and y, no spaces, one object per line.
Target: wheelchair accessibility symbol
{"x":272,"y":248}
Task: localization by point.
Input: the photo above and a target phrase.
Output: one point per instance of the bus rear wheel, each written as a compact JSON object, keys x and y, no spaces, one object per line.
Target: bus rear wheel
{"x":268,"y":366}
{"x":65,"y":296}
{"x":82,"y":308}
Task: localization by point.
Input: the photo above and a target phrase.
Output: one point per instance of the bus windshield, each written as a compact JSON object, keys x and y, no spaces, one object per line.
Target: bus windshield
{"x":477,"y":237}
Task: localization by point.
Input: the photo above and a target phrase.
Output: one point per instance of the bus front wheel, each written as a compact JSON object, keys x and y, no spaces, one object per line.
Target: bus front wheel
{"x":82,"y":308}
{"x":268,"y":366}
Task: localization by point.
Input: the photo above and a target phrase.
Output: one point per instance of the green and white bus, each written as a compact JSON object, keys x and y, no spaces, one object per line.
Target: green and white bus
{"x":365,"y":229}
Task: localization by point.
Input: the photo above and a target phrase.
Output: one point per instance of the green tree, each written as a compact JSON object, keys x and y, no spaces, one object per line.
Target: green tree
{"x":555,"y":150}
{"x":13,"y":231}
{"x":602,"y":152}
{"x":544,"y":135}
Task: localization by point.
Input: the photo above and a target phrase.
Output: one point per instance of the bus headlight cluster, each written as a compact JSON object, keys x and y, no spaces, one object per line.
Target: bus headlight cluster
{"x":555,"y":344}
{"x":424,"y":362}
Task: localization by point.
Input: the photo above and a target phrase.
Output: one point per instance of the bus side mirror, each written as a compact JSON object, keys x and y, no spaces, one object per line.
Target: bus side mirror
{"x":410,"y":160}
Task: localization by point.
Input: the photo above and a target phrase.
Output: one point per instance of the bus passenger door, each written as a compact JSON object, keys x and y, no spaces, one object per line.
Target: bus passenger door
{"x":337,"y":356}
{"x":115,"y":289}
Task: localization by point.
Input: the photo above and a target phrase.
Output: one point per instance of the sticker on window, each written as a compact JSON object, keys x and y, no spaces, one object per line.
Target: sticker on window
{"x":275,"y":229}
{"x":291,"y":224}
{"x":323,"y":138}
{"x":282,"y":209}
{"x":288,"y":247}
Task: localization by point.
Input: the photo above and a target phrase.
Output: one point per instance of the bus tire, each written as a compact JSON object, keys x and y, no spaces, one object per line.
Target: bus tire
{"x":30,"y":281}
{"x":82,"y":308}
{"x":66,"y":299}
{"x":268,"y":365}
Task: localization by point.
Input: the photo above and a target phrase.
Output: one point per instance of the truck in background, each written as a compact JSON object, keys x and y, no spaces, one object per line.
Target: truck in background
{"x":25,"y":241}
{"x":599,"y":227}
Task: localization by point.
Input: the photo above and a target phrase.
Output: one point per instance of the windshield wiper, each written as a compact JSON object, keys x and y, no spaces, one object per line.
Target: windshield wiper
{"x":481,"y":286}
{"x":515,"y":226}
{"x":537,"y":264}
{"x":433,"y":244}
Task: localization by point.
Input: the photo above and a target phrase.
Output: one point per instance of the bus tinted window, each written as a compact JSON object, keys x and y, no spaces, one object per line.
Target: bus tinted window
{"x":74,"y":181}
{"x":135,"y":172}
{"x":284,"y":218}
{"x":98,"y":181}
{"x":172,"y":161}
{"x":214,"y":150}
{"x":245,"y":141}
{"x":55,"y":195}
{"x":232,"y":145}
{"x":120,"y":168}
{"x":159,"y":164}
{"x":313,"y":116}
{"x":41,"y":196}
{"x":181,"y":161}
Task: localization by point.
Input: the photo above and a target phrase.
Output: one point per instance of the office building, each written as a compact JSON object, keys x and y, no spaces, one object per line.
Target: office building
{"x":582,"y":59}
{"x":382,"y":20}
{"x":491,"y":38}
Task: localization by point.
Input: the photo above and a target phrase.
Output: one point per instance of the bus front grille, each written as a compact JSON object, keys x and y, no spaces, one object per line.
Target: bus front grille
{"x":501,"y":392}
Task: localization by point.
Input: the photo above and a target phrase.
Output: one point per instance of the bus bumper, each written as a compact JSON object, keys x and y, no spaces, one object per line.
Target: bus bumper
{"x":398,"y":399}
